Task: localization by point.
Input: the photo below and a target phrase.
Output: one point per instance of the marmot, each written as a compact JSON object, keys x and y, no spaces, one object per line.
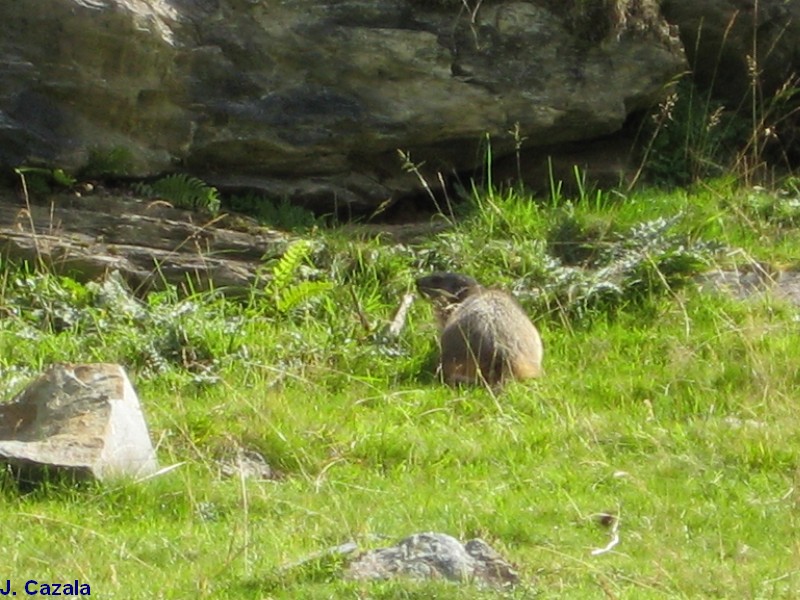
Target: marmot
{"x":486,"y":336}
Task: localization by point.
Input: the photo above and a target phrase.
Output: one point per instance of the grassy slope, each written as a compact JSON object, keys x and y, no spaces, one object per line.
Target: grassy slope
{"x":677,"y":412}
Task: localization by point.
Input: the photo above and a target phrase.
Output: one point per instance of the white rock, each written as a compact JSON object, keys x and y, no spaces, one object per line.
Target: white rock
{"x":84,"y":419}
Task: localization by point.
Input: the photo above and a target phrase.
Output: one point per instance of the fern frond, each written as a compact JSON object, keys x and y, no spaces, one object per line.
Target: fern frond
{"x":291,"y":297}
{"x":183,"y":191}
{"x":286,"y":268}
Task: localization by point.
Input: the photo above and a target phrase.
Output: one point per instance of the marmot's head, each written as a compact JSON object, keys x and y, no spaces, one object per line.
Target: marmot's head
{"x":448,"y":288}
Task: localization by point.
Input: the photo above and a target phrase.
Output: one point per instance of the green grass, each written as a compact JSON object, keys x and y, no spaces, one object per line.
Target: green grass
{"x":673,"y":409}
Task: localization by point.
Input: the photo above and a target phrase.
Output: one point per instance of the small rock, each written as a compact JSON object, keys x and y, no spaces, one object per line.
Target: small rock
{"x":436,"y":556}
{"x":246,"y":464}
{"x":82,"y":420}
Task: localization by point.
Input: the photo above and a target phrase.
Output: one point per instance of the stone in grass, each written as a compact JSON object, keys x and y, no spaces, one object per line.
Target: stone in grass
{"x":436,"y":556}
{"x":246,"y":464}
{"x":82,"y":421}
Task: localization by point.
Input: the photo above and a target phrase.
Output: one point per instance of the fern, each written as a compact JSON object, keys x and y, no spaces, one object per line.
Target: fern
{"x":183,"y":191}
{"x":282,"y":289}
{"x":300,"y":293}
{"x":286,"y":268}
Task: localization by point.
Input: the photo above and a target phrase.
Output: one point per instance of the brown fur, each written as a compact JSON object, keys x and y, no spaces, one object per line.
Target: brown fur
{"x":486,"y":336}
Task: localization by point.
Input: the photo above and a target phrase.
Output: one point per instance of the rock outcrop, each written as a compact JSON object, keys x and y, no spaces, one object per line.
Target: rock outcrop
{"x":149,"y":243}
{"x":84,"y":420}
{"x":311,"y":99}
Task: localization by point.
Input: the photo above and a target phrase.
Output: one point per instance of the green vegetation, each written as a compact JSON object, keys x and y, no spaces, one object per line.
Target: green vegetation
{"x":672,"y":408}
{"x":183,"y":191}
{"x":115,"y":161}
{"x":43,"y":180}
{"x":281,"y":214}
{"x":692,"y":138}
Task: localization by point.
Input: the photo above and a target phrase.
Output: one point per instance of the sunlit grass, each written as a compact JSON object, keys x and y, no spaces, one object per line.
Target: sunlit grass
{"x":674,"y":410}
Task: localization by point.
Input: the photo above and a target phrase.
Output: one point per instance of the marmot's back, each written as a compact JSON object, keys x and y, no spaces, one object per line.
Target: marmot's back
{"x":486,"y":335}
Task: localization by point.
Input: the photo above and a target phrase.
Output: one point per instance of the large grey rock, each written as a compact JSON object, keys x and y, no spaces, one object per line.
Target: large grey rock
{"x":84,"y":420}
{"x":435,"y":556}
{"x":311,"y":99}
